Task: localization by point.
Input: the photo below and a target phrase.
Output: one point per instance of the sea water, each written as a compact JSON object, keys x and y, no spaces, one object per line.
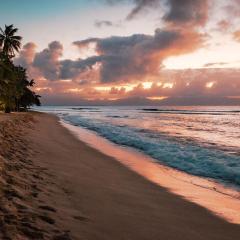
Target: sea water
{"x":202,"y":141}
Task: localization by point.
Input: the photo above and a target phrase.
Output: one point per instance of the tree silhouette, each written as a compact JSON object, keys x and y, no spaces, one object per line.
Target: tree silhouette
{"x":15,"y":92}
{"x":9,"y":42}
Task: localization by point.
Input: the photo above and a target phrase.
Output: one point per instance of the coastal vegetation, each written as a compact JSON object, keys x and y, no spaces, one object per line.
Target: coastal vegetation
{"x":15,"y":86}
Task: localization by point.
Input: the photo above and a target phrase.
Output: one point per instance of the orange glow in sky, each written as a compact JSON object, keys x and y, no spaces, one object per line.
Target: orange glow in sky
{"x":111,"y":51}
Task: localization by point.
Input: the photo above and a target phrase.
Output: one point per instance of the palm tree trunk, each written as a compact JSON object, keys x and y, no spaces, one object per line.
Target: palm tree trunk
{"x":7,"y":106}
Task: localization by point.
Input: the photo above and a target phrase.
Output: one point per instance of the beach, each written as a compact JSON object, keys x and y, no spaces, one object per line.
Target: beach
{"x":55,"y":186}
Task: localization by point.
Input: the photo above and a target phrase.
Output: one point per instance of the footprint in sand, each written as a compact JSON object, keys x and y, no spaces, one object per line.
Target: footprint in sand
{"x":47,"y":208}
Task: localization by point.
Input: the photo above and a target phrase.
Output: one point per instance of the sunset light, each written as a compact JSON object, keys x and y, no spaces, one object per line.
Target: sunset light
{"x":120,"y":120}
{"x":209,"y":84}
{"x":74,"y":90}
{"x":168,"y":85}
{"x":147,"y":85}
{"x":117,"y":58}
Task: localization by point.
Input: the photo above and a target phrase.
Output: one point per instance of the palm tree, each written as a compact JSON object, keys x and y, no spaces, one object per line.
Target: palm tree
{"x":15,"y":87}
{"x":7,"y":86}
{"x":9,"y":43}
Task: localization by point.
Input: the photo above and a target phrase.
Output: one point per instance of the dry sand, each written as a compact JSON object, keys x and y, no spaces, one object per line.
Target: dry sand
{"x":55,"y":187}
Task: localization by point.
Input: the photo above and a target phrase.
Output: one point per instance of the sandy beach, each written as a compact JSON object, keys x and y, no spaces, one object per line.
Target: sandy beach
{"x":53,"y":186}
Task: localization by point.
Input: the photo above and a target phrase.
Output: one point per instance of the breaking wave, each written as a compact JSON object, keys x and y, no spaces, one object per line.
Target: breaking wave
{"x":182,"y":155}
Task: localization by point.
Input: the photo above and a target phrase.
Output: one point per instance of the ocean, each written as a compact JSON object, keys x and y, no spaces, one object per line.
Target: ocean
{"x":201,"y":141}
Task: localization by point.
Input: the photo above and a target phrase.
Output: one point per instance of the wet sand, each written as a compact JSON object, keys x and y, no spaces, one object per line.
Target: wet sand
{"x":54,"y":186}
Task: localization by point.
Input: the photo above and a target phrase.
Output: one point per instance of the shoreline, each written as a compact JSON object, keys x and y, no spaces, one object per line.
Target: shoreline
{"x":193,"y":188}
{"x":81,"y":193}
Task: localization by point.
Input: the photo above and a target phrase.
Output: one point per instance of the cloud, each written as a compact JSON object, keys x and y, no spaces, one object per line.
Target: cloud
{"x":223,"y":26}
{"x":85,"y":43}
{"x":188,"y":84}
{"x":83,"y":71}
{"x":26,"y":58}
{"x":233,"y":9}
{"x":140,"y":5}
{"x":230,"y":16}
{"x":125,"y":82}
{"x":236,"y":36}
{"x":47,"y":61}
{"x":116,"y":59}
{"x":122,"y":66}
{"x":106,"y":23}
{"x":215,"y":64}
{"x":126,"y":59}
{"x":191,"y":12}
{"x":27,"y":55}
{"x":191,"y":83}
{"x":139,"y":56}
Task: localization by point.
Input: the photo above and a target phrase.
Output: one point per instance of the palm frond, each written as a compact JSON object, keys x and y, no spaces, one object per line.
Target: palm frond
{"x":9,"y":42}
{"x":1,"y":30}
{"x":13,"y":31}
{"x":8,"y":29}
{"x":19,"y":38}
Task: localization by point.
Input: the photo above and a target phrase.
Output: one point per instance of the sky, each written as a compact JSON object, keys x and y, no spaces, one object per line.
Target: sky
{"x":95,"y":50}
